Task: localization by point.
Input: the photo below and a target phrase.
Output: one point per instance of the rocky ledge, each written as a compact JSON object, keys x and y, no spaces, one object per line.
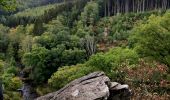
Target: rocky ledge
{"x":95,"y":86}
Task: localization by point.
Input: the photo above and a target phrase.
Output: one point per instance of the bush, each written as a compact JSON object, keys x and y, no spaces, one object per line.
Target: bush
{"x":11,"y":95}
{"x":153,"y":38}
{"x":108,"y":62}
{"x":113,"y":59}
{"x":11,"y":82}
{"x":67,"y":74}
{"x":147,"y":78}
{"x":72,"y":57}
{"x":43,"y":89}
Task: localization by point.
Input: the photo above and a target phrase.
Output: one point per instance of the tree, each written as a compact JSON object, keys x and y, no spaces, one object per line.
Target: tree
{"x":90,"y":14}
{"x":4,"y":39}
{"x":110,"y":61}
{"x":15,"y":36}
{"x":7,"y":4}
{"x":89,"y":44}
{"x":35,"y":61}
{"x":113,"y":7}
{"x":151,"y":39}
{"x":38,"y":27}
{"x":4,"y":4}
{"x":42,"y":62}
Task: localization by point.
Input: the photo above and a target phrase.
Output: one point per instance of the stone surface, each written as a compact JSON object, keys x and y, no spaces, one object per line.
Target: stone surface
{"x":95,"y":86}
{"x":27,"y":92}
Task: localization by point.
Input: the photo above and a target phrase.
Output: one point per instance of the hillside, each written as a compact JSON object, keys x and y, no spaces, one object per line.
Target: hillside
{"x":27,"y":4}
{"x":24,"y":4}
{"x":42,"y":13}
{"x":45,"y":46}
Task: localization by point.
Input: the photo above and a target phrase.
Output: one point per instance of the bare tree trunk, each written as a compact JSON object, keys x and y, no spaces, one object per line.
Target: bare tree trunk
{"x":118,"y":7}
{"x":127,"y":6}
{"x":105,"y":12}
{"x":90,"y":45}
{"x":108,"y":7}
{"x":113,"y":7}
{"x":143,"y":9}
{"x":133,"y":7}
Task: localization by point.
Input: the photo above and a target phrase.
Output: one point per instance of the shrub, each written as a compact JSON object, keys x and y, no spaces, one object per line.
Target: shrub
{"x":153,"y":38}
{"x":11,"y":82}
{"x":43,"y":89}
{"x":11,"y":95}
{"x":111,"y":60}
{"x":147,"y":78}
{"x":67,"y":74}
{"x":108,"y":62}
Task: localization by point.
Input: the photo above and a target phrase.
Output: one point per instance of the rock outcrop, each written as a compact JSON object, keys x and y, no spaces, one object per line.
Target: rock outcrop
{"x":95,"y":86}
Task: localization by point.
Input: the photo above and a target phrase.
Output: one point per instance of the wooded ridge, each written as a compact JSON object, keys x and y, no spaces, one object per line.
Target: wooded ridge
{"x":113,"y":7}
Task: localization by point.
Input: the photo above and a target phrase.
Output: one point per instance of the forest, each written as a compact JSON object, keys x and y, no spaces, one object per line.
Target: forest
{"x":46,"y":44}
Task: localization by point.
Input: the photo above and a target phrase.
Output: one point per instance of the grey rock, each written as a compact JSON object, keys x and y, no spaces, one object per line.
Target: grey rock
{"x":118,"y":86}
{"x":95,"y":86}
{"x":28,"y":92}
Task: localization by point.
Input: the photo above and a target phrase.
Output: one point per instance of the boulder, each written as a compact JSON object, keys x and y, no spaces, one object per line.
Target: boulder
{"x":95,"y":86}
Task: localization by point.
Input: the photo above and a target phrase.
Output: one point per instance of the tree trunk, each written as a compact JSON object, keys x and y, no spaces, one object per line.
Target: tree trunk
{"x":108,"y":8}
{"x":105,"y":12}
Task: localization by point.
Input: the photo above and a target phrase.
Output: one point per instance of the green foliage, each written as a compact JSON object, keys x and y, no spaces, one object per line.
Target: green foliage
{"x":25,"y":45}
{"x":66,"y":34}
{"x":113,"y":59}
{"x":55,"y":26}
{"x":15,"y":37}
{"x":36,"y":60}
{"x":37,"y":11}
{"x":90,"y":14}
{"x":1,"y":69}
{"x":152,"y":38}
{"x":120,"y":26}
{"x":8,"y":4}
{"x":56,"y":47}
{"x":71,"y":57}
{"x":4,"y":39}
{"x":43,"y":89}
{"x":81,"y":33}
{"x":44,"y":62}
{"x":10,"y":80}
{"x":109,"y":62}
{"x":10,"y":95}
{"x":67,"y":74}
{"x":45,"y":14}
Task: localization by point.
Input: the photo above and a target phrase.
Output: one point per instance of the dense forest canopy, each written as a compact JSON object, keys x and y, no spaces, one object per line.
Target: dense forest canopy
{"x":113,"y":7}
{"x":45,"y":44}
{"x":7,"y":4}
{"x":107,"y":8}
{"x":41,"y":14}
